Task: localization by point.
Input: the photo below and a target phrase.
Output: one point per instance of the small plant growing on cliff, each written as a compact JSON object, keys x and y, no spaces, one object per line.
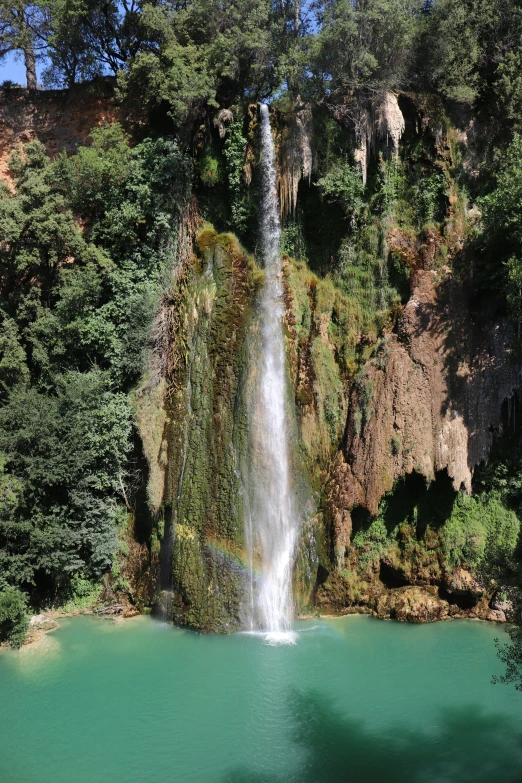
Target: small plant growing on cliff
{"x":209,"y":170}
{"x":343,"y":184}
{"x":234,"y":151}
{"x":367,"y":399}
{"x":479,"y":528}
{"x":382,"y":353}
{"x":429,"y":194}
{"x":396,"y":444}
{"x":371,"y":543}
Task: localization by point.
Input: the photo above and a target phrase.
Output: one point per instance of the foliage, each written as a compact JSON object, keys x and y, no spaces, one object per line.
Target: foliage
{"x":66,"y":454}
{"x":77,"y":309}
{"x":500,"y":237}
{"x":364,"y":44}
{"x":13,"y":616}
{"x":427,"y":198}
{"x":473,"y":52}
{"x":209,"y":170}
{"x":479,"y":527}
{"x":234,"y":151}
{"x":200,"y":52}
{"x":22,"y":30}
{"x":83,"y":593}
{"x":343,"y":184}
{"x":372,"y":543}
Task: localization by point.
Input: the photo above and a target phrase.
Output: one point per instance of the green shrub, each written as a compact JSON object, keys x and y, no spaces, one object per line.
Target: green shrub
{"x":83,"y":594}
{"x":13,"y":616}
{"x":372,"y":542}
{"x":343,"y":184}
{"x":209,"y":170}
{"x":479,"y":529}
{"x":464,"y":534}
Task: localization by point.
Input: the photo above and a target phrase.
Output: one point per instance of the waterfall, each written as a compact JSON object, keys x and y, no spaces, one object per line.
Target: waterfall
{"x":273,"y":520}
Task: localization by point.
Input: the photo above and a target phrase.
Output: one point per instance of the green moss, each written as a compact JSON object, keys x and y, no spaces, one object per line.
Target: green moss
{"x":207,"y":434}
{"x":151,"y":418}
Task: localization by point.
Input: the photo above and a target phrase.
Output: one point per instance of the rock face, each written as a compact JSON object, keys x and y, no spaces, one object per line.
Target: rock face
{"x":377,"y":121}
{"x":295,"y":157}
{"x":203,"y":561}
{"x":60,"y":119}
{"x":412,"y":605}
{"x":431,"y":401}
{"x":428,"y":402}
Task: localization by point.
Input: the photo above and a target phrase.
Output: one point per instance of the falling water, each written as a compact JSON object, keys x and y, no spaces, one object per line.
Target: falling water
{"x":272,"y":512}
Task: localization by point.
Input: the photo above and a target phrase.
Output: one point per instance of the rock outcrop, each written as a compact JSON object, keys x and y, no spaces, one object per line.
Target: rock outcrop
{"x":61,"y":119}
{"x":429,"y":400}
{"x":295,"y":158}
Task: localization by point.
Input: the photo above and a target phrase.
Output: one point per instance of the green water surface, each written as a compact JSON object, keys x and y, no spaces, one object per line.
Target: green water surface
{"x":355,"y":699}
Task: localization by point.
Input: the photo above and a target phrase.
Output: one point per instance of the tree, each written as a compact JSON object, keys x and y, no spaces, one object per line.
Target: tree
{"x":201,"y":53}
{"x":471,"y":51}
{"x":13,"y":616}
{"x":367,"y":43}
{"x":65,"y":455}
{"x":500,"y":237}
{"x":21,"y":30}
{"x":76,"y":310}
{"x":38,"y":234}
{"x":71,"y":58}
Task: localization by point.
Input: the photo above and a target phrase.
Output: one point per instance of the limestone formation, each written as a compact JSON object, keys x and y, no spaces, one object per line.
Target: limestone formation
{"x":435,"y":405}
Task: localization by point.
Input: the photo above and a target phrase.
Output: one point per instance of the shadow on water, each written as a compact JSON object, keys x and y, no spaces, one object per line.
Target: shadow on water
{"x":465,"y":746}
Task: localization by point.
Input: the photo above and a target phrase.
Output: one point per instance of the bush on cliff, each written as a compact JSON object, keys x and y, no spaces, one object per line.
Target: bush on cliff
{"x":479,"y":528}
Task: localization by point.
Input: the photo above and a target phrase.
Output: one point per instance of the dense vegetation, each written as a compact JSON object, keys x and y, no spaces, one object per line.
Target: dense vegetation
{"x":198,"y":52}
{"x":76,"y":310}
{"x":87,"y":242}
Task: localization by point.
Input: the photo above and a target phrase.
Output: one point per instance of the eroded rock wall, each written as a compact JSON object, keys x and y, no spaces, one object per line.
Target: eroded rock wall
{"x":61,"y":119}
{"x":430,"y":401}
{"x":205,"y":431}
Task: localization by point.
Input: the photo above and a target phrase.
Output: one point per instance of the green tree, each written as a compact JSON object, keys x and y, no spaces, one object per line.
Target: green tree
{"x":70,"y":56}
{"x":66,"y":455}
{"x":471,"y":51}
{"x":500,"y":236}
{"x":201,"y":53}
{"x":77,"y":313}
{"x":39,"y":234}
{"x":343,"y":184}
{"x":368,"y":43}
{"x":22,"y":31}
{"x":13,"y":616}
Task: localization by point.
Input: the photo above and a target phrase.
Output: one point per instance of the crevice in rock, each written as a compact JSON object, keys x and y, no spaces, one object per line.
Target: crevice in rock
{"x":462,"y":599}
{"x":391,"y":577}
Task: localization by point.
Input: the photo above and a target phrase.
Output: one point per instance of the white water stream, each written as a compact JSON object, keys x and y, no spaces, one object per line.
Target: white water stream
{"x":273,"y":518}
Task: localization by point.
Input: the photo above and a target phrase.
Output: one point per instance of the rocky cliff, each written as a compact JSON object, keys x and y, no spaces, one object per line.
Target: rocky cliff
{"x":397,"y":402}
{"x":61,"y":119}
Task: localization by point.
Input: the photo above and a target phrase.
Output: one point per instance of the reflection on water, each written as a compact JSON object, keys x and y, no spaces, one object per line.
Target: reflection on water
{"x":349,"y":700}
{"x":337,"y":748}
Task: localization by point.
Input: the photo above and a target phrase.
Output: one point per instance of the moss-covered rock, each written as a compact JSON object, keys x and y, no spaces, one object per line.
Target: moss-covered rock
{"x":205,"y":432}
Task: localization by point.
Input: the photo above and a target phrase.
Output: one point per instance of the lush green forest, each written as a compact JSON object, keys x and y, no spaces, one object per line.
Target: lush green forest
{"x":88,"y":242}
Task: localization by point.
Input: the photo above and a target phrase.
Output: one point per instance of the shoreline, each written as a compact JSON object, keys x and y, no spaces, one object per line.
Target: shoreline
{"x":39,"y":631}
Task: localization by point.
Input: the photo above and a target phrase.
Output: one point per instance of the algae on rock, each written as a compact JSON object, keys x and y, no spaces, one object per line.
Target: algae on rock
{"x":206,"y":431}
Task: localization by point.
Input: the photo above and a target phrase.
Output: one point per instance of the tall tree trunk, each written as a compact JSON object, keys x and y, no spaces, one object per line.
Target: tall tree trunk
{"x":30,"y":66}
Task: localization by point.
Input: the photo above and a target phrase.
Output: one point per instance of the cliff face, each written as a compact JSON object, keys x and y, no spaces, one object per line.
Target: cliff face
{"x":430,"y":399}
{"x":200,"y":436}
{"x":60,"y":119}
{"x":426,"y":405}
{"x":424,"y":400}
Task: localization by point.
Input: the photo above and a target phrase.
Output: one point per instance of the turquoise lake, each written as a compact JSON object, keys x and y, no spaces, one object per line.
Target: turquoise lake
{"x":354,"y":699}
